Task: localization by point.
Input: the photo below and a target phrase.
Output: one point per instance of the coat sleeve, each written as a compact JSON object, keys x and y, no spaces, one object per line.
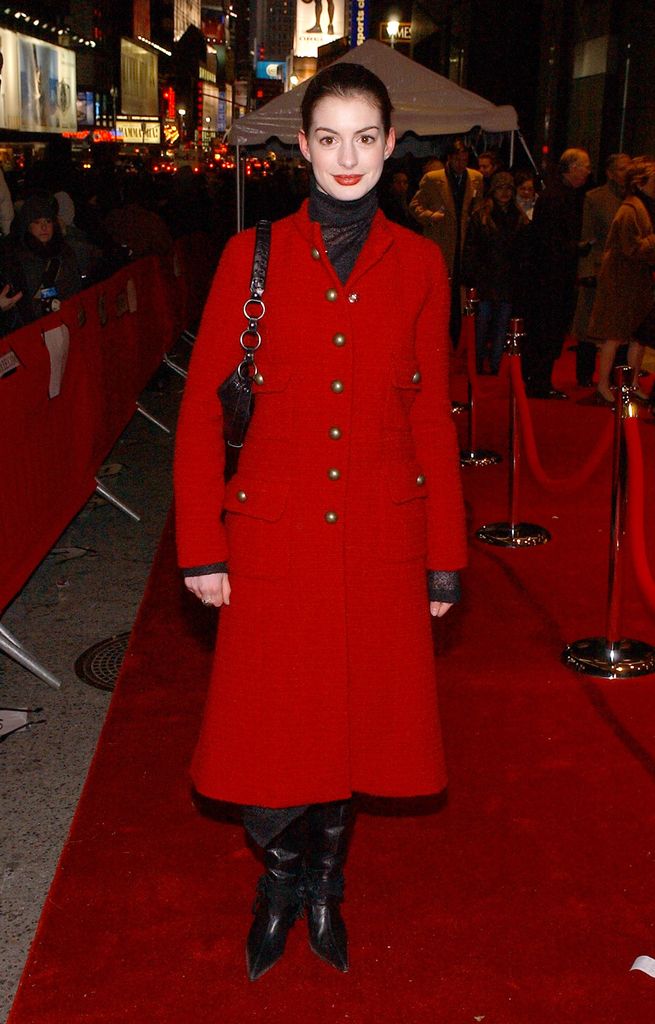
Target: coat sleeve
{"x":432,"y":425}
{"x":632,"y":243}
{"x":200,"y":451}
{"x":426,"y":202}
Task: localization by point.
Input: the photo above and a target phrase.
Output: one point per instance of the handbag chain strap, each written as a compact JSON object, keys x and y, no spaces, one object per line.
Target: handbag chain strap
{"x":253,"y":307}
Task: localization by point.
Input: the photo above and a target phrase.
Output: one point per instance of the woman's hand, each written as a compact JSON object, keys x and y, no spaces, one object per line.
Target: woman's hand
{"x":213,"y":588}
{"x":5,"y":301}
{"x":439,"y":608}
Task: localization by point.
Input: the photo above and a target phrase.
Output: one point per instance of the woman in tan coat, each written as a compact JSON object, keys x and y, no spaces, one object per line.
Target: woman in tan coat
{"x":624,"y":296}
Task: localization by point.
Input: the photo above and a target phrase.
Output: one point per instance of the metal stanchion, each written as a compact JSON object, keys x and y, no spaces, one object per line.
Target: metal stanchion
{"x":513,"y":534}
{"x":613,"y":656}
{"x":472,"y":456}
{"x":458,"y":408}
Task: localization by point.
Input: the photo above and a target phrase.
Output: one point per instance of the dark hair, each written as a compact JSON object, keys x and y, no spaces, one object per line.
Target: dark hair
{"x":344,"y":79}
{"x":613,"y":160}
{"x":456,"y":146}
{"x":521,"y":177}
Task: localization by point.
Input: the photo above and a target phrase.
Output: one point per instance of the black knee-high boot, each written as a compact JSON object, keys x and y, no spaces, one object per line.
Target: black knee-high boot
{"x":324,"y":883}
{"x":279,"y":901}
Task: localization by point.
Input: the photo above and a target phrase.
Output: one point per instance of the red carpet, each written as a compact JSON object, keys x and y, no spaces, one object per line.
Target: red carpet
{"x":523,"y":899}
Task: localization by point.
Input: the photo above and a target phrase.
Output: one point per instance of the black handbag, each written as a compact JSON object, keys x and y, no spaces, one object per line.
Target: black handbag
{"x":235,"y":393}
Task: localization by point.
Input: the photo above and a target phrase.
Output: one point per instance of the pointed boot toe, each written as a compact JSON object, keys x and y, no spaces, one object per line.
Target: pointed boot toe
{"x":275,"y":914}
{"x":327,"y":934}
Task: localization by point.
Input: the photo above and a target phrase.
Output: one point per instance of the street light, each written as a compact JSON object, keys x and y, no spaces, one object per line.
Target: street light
{"x":393,"y":28}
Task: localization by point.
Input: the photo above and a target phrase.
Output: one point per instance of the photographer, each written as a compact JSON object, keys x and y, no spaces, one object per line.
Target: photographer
{"x":40,"y":264}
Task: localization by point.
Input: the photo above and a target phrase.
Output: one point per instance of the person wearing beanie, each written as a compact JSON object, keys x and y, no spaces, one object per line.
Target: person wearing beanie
{"x":41,"y":265}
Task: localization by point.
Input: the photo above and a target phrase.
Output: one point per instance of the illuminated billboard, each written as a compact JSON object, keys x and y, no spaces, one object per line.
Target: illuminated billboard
{"x":185,"y":13}
{"x":318,"y":22}
{"x":138,"y":80}
{"x":38,"y":89}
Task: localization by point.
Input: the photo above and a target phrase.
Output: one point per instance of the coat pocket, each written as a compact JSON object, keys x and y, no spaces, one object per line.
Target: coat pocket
{"x":405,"y":374}
{"x":257,"y":499}
{"x":257,"y":530}
{"x":405,"y":522}
{"x":405,"y":386}
{"x":406,"y":482}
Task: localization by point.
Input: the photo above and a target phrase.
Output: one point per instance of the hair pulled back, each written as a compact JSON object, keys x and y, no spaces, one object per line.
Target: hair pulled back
{"x":345,"y":80}
{"x":639,"y":171}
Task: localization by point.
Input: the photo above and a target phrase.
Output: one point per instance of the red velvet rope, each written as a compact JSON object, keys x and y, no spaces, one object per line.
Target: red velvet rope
{"x":565,"y":485}
{"x":635,"y":516}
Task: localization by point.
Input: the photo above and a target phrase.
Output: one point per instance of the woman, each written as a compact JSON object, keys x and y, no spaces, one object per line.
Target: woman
{"x":526,"y":193}
{"x":624,"y":294}
{"x":41,"y":266}
{"x":347,"y":493}
{"x":495,"y":262}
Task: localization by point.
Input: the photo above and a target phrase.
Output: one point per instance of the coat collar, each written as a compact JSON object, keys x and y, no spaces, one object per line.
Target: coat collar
{"x":379,"y":239}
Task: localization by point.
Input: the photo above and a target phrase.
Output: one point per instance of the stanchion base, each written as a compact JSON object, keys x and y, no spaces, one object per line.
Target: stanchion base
{"x":459,"y":408}
{"x":479,"y":457}
{"x":623,"y":659}
{"x":513,"y":535}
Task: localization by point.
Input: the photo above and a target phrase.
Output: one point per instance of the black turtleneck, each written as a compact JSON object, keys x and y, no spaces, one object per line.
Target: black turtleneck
{"x":345,"y":224}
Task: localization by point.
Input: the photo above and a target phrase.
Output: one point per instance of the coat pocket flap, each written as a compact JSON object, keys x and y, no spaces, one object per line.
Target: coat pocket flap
{"x":261,"y":499}
{"x":406,"y":482}
{"x":406,"y":374}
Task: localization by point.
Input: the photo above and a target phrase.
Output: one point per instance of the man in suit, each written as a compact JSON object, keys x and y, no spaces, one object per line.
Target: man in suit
{"x":600,"y":207}
{"x":442,"y":206}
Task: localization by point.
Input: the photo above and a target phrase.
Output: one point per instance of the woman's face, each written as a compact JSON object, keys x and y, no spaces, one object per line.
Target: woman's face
{"x":346,"y":145}
{"x":526,"y":190}
{"x":42,"y":229}
{"x":503,"y":195}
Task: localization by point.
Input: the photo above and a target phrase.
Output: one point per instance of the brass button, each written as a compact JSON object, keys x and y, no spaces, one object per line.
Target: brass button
{"x":315,"y":254}
{"x":335,"y":433}
{"x":416,"y":378}
{"x":242,"y":496}
{"x":332,"y":295}
{"x":339,"y":340}
{"x":259,"y":378}
{"x":331,"y":517}
{"x":337,"y":386}
{"x":334,"y":474}
{"x":420,"y":480}
{"x":353,"y":297}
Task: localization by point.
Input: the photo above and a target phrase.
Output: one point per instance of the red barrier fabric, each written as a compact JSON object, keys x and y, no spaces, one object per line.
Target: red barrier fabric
{"x":563,"y":485}
{"x":636,"y":520}
{"x":52,"y":447}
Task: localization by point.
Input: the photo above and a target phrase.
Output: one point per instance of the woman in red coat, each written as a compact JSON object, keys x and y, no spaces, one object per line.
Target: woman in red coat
{"x":342,"y":529}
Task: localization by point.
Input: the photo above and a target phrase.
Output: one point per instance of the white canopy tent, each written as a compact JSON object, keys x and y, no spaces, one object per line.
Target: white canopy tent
{"x":425,"y":105}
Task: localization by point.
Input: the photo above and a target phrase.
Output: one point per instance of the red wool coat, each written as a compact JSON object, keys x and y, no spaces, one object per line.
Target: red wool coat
{"x":347,"y":490}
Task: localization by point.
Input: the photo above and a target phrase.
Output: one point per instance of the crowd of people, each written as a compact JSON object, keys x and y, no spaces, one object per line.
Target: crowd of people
{"x":573,"y":262}
{"x":63,"y":228}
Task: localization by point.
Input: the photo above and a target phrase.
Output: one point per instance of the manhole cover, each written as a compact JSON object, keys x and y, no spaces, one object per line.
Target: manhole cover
{"x":100,"y":665}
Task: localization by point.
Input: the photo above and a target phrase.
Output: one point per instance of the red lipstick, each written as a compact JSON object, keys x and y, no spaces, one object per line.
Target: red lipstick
{"x":348,"y":179}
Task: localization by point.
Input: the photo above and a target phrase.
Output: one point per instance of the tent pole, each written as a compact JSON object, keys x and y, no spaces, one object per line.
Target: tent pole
{"x":530,"y":158}
{"x":511,"y":150}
